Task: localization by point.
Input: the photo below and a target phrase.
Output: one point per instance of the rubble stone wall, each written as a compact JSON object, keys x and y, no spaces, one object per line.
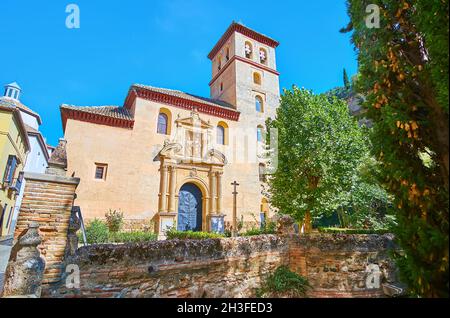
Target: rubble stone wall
{"x":335,"y":265}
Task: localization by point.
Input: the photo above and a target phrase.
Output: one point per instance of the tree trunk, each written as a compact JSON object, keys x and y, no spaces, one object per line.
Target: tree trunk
{"x":307,"y":223}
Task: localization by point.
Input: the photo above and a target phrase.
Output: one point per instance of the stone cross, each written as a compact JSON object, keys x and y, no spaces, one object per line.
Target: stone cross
{"x":235,"y":193}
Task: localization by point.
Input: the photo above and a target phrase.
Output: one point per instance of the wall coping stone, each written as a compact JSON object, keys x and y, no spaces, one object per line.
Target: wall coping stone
{"x":51,"y":178}
{"x":170,"y":251}
{"x":330,"y":242}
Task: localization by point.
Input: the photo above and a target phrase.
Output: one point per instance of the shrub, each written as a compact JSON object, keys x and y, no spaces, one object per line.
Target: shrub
{"x":268,"y":228}
{"x":284,"y":282}
{"x":337,"y":230}
{"x":131,"y":237}
{"x":191,"y":235}
{"x":97,"y":232}
{"x":114,"y":219}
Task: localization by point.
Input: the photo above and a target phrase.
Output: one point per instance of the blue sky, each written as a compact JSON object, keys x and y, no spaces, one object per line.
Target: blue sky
{"x":159,"y":43}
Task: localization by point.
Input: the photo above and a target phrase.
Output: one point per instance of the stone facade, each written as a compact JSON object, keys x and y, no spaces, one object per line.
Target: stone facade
{"x":335,"y":265}
{"x":145,"y":170}
{"x":48,"y":201}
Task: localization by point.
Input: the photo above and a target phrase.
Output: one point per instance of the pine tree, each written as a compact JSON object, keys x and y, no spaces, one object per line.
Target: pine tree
{"x":346,"y":80}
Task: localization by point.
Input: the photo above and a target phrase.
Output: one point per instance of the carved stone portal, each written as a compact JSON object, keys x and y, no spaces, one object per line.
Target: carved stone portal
{"x":191,"y":150}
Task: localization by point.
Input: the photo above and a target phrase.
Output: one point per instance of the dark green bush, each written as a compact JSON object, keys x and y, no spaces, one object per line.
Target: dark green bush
{"x":191,"y":235}
{"x":97,"y":232}
{"x":269,"y":228}
{"x":284,"y":282}
{"x":336,"y":230}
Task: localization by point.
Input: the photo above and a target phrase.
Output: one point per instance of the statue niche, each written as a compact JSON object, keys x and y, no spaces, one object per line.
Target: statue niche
{"x":191,"y":142}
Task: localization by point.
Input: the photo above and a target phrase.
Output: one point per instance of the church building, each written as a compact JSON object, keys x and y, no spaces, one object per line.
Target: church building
{"x":168,"y":158}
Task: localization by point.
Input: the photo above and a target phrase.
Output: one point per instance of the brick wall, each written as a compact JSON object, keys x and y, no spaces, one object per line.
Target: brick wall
{"x":48,"y":200}
{"x":335,"y":265}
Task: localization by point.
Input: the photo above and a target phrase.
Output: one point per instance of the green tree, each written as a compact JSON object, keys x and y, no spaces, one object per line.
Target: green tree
{"x":319,"y":150}
{"x":346,"y":80}
{"x":403,"y":72}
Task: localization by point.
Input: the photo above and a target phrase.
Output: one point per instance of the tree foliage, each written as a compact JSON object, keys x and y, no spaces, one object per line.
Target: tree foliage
{"x":403,"y":73}
{"x":319,"y":150}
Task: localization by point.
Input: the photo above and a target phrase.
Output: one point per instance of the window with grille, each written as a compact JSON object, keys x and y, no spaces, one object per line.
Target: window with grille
{"x":100,"y":171}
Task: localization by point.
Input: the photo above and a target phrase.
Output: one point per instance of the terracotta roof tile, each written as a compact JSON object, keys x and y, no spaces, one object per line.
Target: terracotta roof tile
{"x":108,"y":111}
{"x":180,"y":94}
{"x":9,"y":102}
{"x":59,"y":155}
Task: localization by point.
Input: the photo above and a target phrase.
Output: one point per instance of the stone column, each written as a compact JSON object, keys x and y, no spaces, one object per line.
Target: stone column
{"x":213,"y":185}
{"x":217,"y":223}
{"x":172,"y":185}
{"x":219,"y":192}
{"x":163,"y":190}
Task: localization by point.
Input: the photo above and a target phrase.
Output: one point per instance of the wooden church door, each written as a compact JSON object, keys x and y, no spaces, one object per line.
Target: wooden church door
{"x":189,"y":208}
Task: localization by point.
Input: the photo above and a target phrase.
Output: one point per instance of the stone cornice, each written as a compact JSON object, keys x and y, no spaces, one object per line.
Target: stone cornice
{"x":245,"y":60}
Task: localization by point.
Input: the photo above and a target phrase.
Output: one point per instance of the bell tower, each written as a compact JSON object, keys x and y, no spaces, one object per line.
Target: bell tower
{"x":244,"y":72}
{"x":13,"y":91}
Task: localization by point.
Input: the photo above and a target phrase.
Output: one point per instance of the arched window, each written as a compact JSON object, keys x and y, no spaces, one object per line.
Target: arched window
{"x":219,"y":63}
{"x":263,"y":56}
{"x":227,"y":56}
{"x":248,"y":50}
{"x":257,"y":78}
{"x":259,"y":104}
{"x":222,"y":133}
{"x":163,"y":124}
{"x":260,"y":133}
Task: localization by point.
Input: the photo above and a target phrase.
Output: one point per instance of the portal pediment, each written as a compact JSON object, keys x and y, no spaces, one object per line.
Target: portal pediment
{"x":191,"y":143}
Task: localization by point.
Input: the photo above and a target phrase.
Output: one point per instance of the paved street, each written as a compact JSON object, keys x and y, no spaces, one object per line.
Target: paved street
{"x":5,"y":249}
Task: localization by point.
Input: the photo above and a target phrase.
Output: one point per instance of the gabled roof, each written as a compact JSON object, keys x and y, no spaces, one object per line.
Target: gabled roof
{"x":176,"y":93}
{"x":105,"y":115}
{"x":108,"y":111}
{"x":14,"y":85}
{"x":240,"y":28}
{"x":183,"y":100}
{"x":59,"y":155}
{"x":6,"y":101}
{"x":118,"y":116}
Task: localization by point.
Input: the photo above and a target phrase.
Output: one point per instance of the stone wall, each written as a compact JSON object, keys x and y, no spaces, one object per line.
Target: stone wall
{"x":175,"y":268}
{"x":338,"y":265}
{"x":335,"y":265}
{"x":48,"y":200}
